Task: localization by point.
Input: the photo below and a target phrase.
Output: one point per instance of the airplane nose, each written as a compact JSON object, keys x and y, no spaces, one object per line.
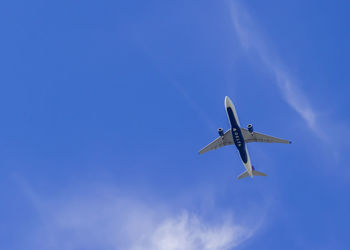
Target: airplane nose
{"x":227,"y":101}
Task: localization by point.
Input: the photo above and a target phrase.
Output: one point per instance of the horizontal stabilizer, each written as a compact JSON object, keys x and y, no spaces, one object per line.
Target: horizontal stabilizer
{"x":243,"y":175}
{"x":255,"y":173}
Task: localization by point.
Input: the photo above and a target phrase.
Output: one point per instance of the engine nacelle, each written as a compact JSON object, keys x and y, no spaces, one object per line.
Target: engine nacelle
{"x":221,"y":131}
{"x":250,"y":128}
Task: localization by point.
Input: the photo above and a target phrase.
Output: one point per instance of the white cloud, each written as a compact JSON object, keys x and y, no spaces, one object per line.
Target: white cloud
{"x":188,"y":231}
{"x":252,"y":40}
{"x":106,"y":220}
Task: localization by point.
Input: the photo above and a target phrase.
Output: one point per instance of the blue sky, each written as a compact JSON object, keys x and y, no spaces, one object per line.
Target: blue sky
{"x":105,"y":104}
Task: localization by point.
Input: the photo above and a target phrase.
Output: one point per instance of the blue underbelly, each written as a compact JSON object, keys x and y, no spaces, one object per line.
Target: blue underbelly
{"x":237,"y":136}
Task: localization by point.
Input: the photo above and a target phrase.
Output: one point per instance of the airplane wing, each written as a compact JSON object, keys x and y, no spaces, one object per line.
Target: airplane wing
{"x":257,"y":137}
{"x":219,"y":142}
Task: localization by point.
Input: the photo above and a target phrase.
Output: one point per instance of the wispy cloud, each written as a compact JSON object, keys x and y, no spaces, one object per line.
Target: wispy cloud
{"x":251,"y":39}
{"x":105,"y":219}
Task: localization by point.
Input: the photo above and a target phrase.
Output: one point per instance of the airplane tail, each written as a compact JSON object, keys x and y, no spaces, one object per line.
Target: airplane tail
{"x":255,"y":173}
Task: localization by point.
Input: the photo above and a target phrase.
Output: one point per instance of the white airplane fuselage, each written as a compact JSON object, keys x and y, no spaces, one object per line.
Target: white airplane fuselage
{"x":237,"y":135}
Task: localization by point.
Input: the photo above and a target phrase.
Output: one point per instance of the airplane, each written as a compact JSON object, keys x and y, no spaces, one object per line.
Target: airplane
{"x":239,"y":137}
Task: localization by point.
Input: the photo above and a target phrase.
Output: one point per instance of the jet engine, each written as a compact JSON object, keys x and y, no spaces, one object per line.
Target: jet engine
{"x":221,"y":132}
{"x":250,"y":128}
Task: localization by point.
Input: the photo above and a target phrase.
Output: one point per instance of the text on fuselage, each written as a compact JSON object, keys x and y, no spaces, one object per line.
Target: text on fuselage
{"x":236,"y":137}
